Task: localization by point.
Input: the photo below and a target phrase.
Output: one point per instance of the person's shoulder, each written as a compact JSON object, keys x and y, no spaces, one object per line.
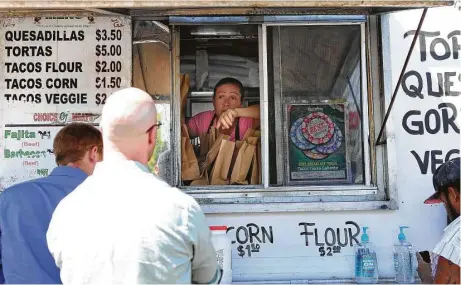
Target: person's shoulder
{"x":204,"y":115}
{"x":171,"y":193}
{"x":20,"y":188}
{"x":158,"y":188}
{"x":247,"y":121}
{"x":449,"y":245}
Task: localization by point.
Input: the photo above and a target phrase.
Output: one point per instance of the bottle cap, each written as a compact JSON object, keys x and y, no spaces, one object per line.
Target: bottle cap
{"x":364,"y":236}
{"x":218,"y":228}
{"x":402,"y":236}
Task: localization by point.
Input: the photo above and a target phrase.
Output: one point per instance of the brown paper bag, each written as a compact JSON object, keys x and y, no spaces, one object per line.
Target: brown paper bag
{"x":238,"y":162}
{"x":155,"y":64}
{"x":246,"y":162}
{"x":214,"y":150}
{"x":221,"y":168}
{"x":209,"y":160}
{"x":258,"y":152}
{"x":238,"y":145}
{"x":138,"y":76}
{"x":202,"y":181}
{"x":189,"y":163}
{"x":242,"y":164}
{"x":212,"y":136}
{"x":249,"y":133}
{"x":184,"y":90}
{"x":254,"y":170}
{"x":252,"y":140}
{"x":204,"y":144}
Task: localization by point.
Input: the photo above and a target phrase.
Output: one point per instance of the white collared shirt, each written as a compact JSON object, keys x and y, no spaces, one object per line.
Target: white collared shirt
{"x":124,"y":225}
{"x":448,"y":246}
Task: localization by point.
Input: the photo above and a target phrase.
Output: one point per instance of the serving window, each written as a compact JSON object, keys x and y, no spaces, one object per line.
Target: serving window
{"x":315,"y":86}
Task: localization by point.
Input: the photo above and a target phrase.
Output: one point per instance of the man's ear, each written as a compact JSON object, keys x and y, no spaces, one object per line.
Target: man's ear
{"x":94,"y":155}
{"x":153,"y":135}
{"x":453,"y":195}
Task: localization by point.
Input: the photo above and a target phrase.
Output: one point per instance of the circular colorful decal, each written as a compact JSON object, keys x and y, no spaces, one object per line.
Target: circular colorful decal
{"x":293,"y":129}
{"x":313,"y":154}
{"x":296,"y":139}
{"x":318,"y":128}
{"x":332,"y":145}
{"x":304,"y":144}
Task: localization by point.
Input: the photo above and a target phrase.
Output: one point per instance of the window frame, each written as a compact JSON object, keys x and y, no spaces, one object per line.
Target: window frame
{"x":282,"y":140}
{"x":378,"y":191}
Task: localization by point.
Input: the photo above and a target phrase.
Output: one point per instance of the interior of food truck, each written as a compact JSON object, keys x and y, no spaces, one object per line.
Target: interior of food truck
{"x":295,"y":66}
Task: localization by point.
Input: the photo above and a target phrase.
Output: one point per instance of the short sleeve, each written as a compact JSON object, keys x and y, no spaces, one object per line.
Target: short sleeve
{"x":199,"y":123}
{"x":205,"y":268}
{"x":245,"y":124}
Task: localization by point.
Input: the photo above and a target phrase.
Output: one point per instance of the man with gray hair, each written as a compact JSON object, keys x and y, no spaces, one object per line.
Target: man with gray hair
{"x":163,"y":166}
{"x":124,"y":225}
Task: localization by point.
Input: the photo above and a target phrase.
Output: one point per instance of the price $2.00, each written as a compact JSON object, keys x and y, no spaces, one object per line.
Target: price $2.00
{"x":108,"y":66}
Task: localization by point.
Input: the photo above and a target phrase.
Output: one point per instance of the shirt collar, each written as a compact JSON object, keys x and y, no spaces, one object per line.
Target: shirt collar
{"x":142,"y":166}
{"x":120,"y":165}
{"x":68,"y":171}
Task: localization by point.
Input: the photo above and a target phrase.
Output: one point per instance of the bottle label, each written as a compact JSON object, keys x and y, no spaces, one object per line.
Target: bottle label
{"x":368,"y":265}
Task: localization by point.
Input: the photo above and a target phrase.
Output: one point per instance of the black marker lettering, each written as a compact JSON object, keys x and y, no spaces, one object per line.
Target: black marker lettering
{"x":253,"y":234}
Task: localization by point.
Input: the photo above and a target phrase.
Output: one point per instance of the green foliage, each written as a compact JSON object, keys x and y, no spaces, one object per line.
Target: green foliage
{"x":160,"y":147}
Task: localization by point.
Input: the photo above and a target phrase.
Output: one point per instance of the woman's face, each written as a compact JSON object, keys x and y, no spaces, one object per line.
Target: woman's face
{"x":227,"y":97}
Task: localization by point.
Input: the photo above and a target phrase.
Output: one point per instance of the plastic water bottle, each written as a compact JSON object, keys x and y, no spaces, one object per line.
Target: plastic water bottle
{"x":404,"y":259}
{"x":366,"y":263}
{"x":222,"y":245}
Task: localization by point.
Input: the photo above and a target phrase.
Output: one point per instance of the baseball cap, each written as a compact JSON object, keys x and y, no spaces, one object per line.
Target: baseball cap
{"x":444,"y":175}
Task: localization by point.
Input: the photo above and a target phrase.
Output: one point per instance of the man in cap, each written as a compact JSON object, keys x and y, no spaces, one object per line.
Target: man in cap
{"x":124,"y":225}
{"x":26,"y":208}
{"x":446,"y":257}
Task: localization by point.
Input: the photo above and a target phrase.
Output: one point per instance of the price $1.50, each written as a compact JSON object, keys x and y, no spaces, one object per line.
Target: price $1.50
{"x":248,"y":249}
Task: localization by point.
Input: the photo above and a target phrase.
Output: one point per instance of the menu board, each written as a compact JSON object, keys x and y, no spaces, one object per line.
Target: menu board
{"x":317,"y":144}
{"x":54,"y":71}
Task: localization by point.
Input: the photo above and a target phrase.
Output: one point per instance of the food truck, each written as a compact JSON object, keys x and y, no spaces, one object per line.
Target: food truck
{"x":358,"y":105}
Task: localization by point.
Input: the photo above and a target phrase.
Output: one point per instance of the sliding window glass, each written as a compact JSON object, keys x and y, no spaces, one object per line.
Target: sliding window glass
{"x":316,"y":90}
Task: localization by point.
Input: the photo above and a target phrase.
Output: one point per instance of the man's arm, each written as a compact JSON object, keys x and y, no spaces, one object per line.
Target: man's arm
{"x":205,"y":268}
{"x":447,"y":272}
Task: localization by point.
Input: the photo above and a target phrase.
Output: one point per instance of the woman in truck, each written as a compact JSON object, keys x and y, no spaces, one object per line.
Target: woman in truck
{"x":228,"y":116}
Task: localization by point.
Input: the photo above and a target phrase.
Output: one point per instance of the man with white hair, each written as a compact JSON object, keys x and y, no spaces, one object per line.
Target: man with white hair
{"x":124,"y":225}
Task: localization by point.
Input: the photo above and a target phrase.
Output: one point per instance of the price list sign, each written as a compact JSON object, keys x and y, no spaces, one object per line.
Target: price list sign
{"x":54,"y":70}
{"x":54,"y":67}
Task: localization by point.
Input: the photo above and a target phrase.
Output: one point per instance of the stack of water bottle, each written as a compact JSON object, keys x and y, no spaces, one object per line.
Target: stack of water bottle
{"x":366,"y":263}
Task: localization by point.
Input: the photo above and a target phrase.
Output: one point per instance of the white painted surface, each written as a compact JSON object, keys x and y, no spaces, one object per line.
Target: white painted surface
{"x":288,"y":257}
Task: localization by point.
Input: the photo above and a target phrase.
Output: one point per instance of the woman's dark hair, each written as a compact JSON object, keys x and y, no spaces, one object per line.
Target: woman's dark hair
{"x":230,"y":80}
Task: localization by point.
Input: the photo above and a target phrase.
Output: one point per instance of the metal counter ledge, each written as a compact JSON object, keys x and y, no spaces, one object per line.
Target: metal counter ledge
{"x":322,"y":282}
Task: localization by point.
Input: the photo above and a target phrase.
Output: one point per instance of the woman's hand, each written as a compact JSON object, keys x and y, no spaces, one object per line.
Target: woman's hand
{"x":226,"y":120}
